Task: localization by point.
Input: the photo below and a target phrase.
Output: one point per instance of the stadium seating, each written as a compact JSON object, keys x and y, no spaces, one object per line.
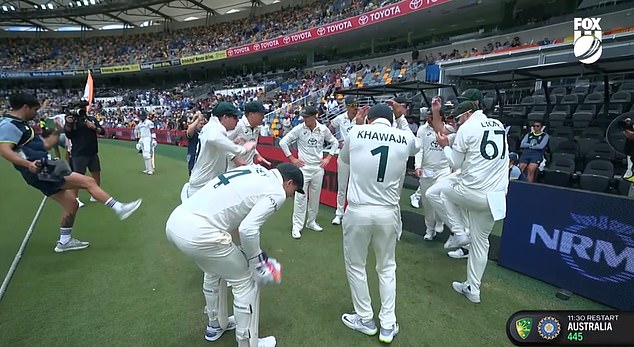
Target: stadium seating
{"x":560,"y":170}
{"x":597,"y":176}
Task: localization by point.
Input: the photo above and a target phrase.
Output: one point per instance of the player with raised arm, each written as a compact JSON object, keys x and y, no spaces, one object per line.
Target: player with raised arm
{"x":214,"y":147}
{"x":310,"y":138}
{"x":377,"y":154}
{"x":243,"y":199}
{"x":341,"y":125}
{"x":29,"y":155}
{"x":478,"y":198}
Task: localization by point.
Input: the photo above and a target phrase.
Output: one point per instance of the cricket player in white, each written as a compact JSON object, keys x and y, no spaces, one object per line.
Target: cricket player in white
{"x":214,"y":148}
{"x":144,"y":132}
{"x":377,"y":154}
{"x":202,"y":227}
{"x":248,"y":130}
{"x":310,"y":138}
{"x":431,"y":165}
{"x":480,"y":150}
{"x":341,"y":125}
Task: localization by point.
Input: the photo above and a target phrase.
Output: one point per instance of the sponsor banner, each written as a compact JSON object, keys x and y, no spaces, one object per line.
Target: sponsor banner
{"x":119,"y":69}
{"x":583,"y":242}
{"x":201,"y":58}
{"x":160,"y":64}
{"x":369,"y":18}
{"x":329,"y":186}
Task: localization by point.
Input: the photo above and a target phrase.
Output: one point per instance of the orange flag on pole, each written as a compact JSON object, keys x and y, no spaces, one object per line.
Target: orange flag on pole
{"x":89,"y":91}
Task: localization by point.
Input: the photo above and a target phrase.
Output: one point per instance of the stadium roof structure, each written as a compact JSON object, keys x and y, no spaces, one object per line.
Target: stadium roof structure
{"x":609,"y":66}
{"x":64,"y":15}
{"x":395,"y":88}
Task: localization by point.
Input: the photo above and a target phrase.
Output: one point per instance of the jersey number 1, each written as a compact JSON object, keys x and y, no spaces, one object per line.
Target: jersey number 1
{"x":486,"y":142}
{"x":225,"y":177}
{"x":383,"y":151}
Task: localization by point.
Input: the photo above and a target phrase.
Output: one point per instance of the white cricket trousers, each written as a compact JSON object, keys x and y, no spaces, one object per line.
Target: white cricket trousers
{"x":432,"y":219}
{"x":313,"y":178}
{"x":146,"y":148}
{"x":479,"y":220}
{"x":379,"y":226}
{"x":220,"y":262}
{"x":450,"y":214}
{"x":343,"y":174}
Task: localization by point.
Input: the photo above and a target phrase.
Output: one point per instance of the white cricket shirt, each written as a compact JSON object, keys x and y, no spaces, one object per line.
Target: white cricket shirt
{"x":244,"y":132}
{"x":377,"y":154}
{"x":310,"y":144}
{"x":242,"y":198}
{"x":213,"y":150}
{"x":483,"y":142}
{"x":431,"y":157}
{"x":144,"y":129}
{"x":342,"y":124}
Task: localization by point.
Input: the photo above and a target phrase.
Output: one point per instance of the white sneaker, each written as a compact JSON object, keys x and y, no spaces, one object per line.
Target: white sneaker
{"x":429,"y":235}
{"x":71,"y":245}
{"x":92,"y":199}
{"x":414,"y":201}
{"x":150,"y":173}
{"x":354,"y":322}
{"x":296,"y":234}
{"x":314,"y":226}
{"x":128,"y":209}
{"x":268,"y":341}
{"x":213,"y":333}
{"x":458,"y":240}
{"x":387,"y":335}
{"x":81,"y":204}
{"x":336,"y":220}
{"x":465,"y":290}
{"x":459,"y":253}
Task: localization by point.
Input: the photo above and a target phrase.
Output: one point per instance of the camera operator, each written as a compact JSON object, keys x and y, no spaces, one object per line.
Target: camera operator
{"x":82,"y":130}
{"x":28,"y":153}
{"x":628,"y":131}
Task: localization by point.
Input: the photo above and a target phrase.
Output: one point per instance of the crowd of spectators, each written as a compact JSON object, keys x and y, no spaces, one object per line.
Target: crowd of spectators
{"x":78,"y":53}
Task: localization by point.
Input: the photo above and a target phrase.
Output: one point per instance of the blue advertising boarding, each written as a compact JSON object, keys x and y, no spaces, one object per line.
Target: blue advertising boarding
{"x":576,"y":240}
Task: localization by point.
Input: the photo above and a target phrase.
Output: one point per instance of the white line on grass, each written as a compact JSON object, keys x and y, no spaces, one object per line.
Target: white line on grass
{"x":14,"y":264}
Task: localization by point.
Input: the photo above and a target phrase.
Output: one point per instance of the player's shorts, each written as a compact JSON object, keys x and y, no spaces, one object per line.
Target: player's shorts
{"x":531,"y":157}
{"x":48,"y":188}
{"x":83,"y":162}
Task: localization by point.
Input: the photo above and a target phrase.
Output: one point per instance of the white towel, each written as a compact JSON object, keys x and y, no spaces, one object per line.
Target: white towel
{"x":497,"y":204}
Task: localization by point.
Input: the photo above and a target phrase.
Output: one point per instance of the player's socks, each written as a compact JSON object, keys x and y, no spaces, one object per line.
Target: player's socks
{"x":113,"y":204}
{"x":65,"y":235}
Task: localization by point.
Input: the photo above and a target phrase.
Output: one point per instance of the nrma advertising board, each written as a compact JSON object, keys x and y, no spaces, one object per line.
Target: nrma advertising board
{"x":575,"y":240}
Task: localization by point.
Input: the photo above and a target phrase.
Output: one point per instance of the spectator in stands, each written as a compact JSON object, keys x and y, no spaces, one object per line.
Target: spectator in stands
{"x":533,"y":146}
{"x":628,"y":131}
{"x":515,"y":173}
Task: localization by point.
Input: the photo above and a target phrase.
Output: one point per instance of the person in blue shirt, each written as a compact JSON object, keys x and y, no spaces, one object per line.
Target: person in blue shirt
{"x":533,"y":146}
{"x":28,"y":153}
{"x":514,"y":171}
{"x":192,"y":139}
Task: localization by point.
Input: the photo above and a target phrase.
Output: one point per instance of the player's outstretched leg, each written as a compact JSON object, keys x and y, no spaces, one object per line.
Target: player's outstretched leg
{"x":66,"y":242}
{"x":78,"y":181}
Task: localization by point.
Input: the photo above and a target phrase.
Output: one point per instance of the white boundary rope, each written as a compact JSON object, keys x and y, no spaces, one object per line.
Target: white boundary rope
{"x":18,"y":256}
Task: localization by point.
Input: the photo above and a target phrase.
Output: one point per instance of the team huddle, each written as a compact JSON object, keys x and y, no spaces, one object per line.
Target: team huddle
{"x":461,"y":159}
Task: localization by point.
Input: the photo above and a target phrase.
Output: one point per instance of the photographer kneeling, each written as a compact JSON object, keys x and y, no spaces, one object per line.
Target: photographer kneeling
{"x":28,"y":153}
{"x":82,"y":130}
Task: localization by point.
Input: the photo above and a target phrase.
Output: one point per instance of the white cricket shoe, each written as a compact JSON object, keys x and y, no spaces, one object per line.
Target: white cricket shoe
{"x":268,"y":341}
{"x":150,"y":173}
{"x":414,"y":201}
{"x":92,"y":199}
{"x":429,"y":235}
{"x":336,"y":220}
{"x":81,"y":204}
{"x":71,"y":245}
{"x":314,"y":226}
{"x":213,"y":331}
{"x":458,"y":240}
{"x":459,"y":253}
{"x":296,"y":234}
{"x":464,"y":289}
{"x":128,"y":209}
{"x":387,"y":335}
{"x":354,"y":322}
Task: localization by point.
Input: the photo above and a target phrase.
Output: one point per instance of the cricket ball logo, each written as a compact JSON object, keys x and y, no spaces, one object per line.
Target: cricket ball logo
{"x":587,"y":39}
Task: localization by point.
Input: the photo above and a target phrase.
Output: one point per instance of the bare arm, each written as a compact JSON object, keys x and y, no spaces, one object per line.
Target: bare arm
{"x":6,"y":151}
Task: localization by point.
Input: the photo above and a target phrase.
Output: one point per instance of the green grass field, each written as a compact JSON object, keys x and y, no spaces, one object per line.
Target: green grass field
{"x":133,"y":288}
